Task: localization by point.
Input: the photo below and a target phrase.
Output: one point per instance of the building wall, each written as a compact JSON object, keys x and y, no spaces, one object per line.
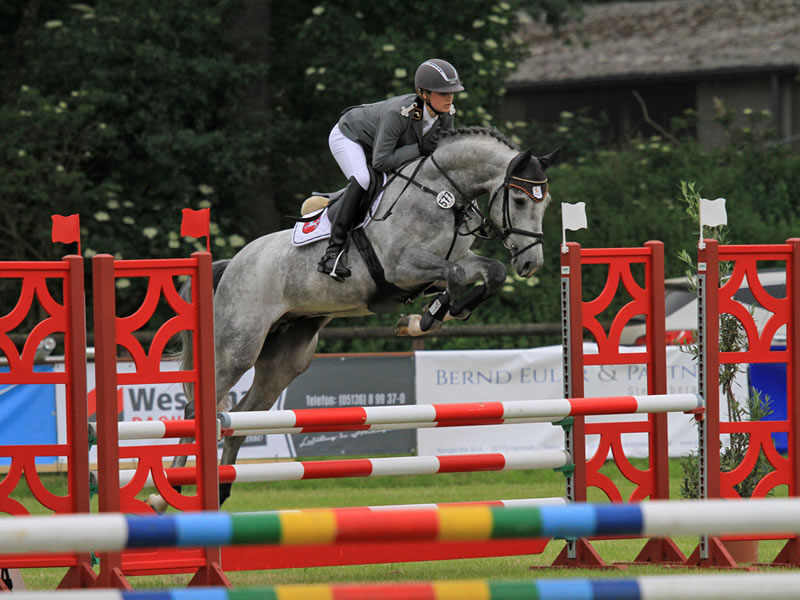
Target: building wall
{"x":756,"y":94}
{"x":791,"y":112}
{"x":626,"y":118}
{"x":778,"y":93}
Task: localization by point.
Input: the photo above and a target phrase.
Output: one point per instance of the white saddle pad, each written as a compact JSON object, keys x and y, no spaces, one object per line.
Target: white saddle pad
{"x":320,"y":227}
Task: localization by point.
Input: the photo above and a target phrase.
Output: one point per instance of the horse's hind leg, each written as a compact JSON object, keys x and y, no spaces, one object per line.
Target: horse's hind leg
{"x":285,"y":355}
{"x":229,"y":368}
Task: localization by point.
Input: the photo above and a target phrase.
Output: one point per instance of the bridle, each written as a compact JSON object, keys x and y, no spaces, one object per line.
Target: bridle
{"x":508,"y":228}
{"x":538,"y":193}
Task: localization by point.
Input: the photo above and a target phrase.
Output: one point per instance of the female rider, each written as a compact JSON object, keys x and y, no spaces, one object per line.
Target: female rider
{"x":387,"y":134}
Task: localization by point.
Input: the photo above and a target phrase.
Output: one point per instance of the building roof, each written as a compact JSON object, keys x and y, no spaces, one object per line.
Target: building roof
{"x":665,"y":38}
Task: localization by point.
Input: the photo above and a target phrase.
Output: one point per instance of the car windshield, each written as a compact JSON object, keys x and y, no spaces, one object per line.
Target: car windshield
{"x":676,"y":296}
{"x":745,"y":296}
{"x":676,"y":299}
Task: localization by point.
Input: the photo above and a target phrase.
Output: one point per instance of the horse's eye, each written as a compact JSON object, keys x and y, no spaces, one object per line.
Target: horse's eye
{"x":519,"y":202}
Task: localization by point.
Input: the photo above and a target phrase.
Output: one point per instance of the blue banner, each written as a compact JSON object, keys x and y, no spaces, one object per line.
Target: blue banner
{"x":770,"y":380}
{"x":28,"y":415}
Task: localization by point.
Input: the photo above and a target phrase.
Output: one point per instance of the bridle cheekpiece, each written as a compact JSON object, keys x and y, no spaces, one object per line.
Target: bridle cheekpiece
{"x":534,"y":189}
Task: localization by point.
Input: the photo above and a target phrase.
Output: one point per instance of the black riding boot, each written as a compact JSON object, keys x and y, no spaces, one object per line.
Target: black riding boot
{"x":332,"y":262}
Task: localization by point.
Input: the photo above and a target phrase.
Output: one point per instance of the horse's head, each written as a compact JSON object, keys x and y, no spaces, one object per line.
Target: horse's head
{"x":517,"y":209}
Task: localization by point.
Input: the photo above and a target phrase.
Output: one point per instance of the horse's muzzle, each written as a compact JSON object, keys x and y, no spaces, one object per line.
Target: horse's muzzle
{"x":527,"y":268}
{"x":528,"y":262}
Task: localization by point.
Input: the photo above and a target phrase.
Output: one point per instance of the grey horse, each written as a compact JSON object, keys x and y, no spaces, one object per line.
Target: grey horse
{"x":270,"y":301}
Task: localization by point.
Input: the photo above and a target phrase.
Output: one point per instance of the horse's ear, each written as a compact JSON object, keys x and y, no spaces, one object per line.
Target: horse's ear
{"x":549,"y":159}
{"x":519,"y":162}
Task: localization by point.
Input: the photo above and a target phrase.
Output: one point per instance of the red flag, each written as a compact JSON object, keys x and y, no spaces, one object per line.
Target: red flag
{"x":196,"y":223}
{"x":67,"y":229}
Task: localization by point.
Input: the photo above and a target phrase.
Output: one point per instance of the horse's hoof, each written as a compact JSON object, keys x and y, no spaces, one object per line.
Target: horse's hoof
{"x":157,"y":503}
{"x":408,"y":325}
{"x":401,"y":327}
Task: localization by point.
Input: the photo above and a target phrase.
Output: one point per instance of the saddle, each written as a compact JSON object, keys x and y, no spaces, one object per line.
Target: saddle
{"x":319,"y":211}
{"x":320,"y":200}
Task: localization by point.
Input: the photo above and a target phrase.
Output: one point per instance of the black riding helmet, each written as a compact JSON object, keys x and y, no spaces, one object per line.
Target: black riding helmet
{"x":437,"y":75}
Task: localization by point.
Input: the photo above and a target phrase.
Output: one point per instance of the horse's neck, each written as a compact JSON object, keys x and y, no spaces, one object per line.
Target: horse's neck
{"x":474,"y":167}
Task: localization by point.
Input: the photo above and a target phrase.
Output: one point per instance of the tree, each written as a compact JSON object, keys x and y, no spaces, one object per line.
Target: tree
{"x":124,"y":113}
{"x":340,"y":53}
{"x":128,"y":111}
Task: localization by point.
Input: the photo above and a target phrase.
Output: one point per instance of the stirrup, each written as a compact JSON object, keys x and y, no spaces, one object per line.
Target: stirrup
{"x":338,"y":270}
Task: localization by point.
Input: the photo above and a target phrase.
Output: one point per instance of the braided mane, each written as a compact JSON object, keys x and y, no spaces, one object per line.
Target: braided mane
{"x":475,"y":130}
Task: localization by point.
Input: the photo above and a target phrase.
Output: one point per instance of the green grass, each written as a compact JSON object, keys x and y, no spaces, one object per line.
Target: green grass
{"x":408,"y":490}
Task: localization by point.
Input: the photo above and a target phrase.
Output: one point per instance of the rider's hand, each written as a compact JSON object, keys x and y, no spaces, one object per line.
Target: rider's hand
{"x":427,"y":145}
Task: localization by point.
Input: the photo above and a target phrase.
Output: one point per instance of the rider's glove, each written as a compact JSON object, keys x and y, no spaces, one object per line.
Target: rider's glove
{"x":427,"y":145}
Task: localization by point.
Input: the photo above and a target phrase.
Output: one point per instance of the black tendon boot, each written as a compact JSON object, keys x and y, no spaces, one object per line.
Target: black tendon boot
{"x":332,"y":262}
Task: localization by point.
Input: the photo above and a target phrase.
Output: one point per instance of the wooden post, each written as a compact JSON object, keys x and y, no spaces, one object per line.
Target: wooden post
{"x":579,"y":552}
{"x":789,"y":556}
{"x":206,"y":412}
{"x":105,"y":361}
{"x":82,"y":574}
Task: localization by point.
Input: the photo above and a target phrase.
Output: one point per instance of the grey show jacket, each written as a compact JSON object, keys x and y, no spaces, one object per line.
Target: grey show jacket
{"x":388,"y":131}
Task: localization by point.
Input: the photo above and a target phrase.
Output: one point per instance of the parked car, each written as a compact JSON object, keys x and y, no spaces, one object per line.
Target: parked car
{"x":681,"y":309}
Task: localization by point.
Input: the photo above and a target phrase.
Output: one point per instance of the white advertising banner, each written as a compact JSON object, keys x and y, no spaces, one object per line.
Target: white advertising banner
{"x":166,"y":401}
{"x":533,"y":374}
{"x":439,"y":377}
{"x":330,"y":381}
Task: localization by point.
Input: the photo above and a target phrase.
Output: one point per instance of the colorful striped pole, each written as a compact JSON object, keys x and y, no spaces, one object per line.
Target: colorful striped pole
{"x":776,"y":586}
{"x":414,"y":416}
{"x":367,"y":467}
{"x":114,"y":532}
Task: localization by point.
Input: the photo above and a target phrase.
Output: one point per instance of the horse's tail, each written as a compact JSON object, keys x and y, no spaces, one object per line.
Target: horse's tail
{"x":185,"y":354}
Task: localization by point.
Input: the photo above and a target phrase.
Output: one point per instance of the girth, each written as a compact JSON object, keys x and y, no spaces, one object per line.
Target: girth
{"x":387,"y":295}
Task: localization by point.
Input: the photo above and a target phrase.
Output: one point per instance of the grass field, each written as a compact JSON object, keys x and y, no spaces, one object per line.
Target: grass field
{"x":411,"y":489}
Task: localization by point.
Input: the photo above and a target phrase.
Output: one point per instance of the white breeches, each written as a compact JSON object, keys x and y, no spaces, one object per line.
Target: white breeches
{"x":349,"y":156}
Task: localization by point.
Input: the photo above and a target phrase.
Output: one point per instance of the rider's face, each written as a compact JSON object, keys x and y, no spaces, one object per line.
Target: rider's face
{"x":441,"y":101}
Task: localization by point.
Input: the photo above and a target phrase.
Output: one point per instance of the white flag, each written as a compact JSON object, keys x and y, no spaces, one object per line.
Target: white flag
{"x":712,"y":212}
{"x":573,"y":216}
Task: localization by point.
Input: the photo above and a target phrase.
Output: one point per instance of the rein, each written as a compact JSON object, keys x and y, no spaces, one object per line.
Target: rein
{"x":409,"y":180}
{"x":461,"y":210}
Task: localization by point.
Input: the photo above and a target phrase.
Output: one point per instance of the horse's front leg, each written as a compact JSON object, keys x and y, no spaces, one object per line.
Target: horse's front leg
{"x":453,"y":302}
{"x":490,"y":272}
{"x":416,"y":266}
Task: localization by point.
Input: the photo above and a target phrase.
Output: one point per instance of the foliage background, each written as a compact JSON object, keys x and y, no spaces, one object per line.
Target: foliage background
{"x":127,"y":112}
